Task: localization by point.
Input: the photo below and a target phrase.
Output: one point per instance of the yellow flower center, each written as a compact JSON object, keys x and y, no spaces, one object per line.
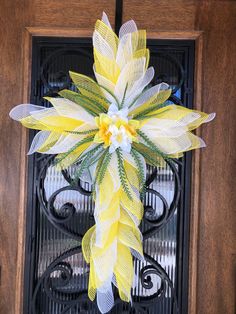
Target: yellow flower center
{"x":115,"y":130}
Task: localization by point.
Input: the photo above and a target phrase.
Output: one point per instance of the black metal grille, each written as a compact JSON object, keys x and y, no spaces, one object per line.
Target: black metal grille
{"x":58,"y":215}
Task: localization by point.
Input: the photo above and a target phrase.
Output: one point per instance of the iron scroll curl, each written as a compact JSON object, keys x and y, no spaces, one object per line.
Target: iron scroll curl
{"x":59,"y":290}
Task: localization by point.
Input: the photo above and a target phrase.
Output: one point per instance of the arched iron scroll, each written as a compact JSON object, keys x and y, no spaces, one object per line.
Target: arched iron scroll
{"x":154,"y":268}
{"x":59,"y":290}
{"x":65,"y":297}
{"x":47,"y":205}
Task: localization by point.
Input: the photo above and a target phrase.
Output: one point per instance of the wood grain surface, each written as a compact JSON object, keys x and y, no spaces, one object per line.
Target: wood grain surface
{"x":212,"y":24}
{"x":16,"y":15}
{"x":217,"y":232}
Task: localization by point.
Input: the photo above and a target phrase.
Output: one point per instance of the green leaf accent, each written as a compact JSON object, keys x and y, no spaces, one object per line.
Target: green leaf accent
{"x":83,"y":141}
{"x":97,"y":85}
{"x":151,"y":144}
{"x":136,"y":98}
{"x":86,"y":103}
{"x":96,"y":95}
{"x":83,"y":132}
{"x":102,"y":166}
{"x":143,"y":114}
{"x":109,"y":92}
{"x":161,"y":97}
{"x":122,"y":173}
{"x":123,"y":99}
{"x":84,"y":86}
{"x":141,"y":172}
{"x":83,"y":155}
{"x":151,"y":157}
{"x":87,"y":160}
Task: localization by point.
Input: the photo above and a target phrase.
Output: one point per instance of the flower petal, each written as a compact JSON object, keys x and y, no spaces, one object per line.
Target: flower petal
{"x":38,"y":141}
{"x":164,"y":128}
{"x":128,"y":27}
{"x":132,"y":72}
{"x":151,"y":96}
{"x":139,"y":86}
{"x":106,"y":20}
{"x":69,"y":109}
{"x":176,"y":145}
{"x":188,"y":117}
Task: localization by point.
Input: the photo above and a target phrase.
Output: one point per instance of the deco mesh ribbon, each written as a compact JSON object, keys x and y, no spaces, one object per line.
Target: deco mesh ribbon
{"x":111,"y":128}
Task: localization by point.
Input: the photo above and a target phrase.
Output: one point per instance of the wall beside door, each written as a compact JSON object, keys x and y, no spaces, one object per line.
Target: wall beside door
{"x":214,"y":219}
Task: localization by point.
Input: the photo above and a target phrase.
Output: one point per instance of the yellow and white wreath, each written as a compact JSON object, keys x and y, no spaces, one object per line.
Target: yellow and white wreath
{"x":111,"y":128}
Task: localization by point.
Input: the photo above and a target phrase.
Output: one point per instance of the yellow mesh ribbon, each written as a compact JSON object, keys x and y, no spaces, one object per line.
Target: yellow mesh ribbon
{"x":118,"y":217}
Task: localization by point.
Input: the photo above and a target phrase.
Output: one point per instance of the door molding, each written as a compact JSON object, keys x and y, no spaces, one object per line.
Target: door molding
{"x":197,"y":36}
{"x":29,"y":33}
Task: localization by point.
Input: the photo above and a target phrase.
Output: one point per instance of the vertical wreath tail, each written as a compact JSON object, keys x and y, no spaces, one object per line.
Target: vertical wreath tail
{"x":110,"y":244}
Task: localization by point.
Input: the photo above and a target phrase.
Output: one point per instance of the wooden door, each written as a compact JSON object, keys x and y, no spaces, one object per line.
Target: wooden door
{"x":211,"y":24}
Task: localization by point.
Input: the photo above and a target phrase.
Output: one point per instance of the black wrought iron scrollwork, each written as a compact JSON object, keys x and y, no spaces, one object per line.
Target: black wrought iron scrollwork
{"x":55,"y":282}
{"x":71,"y":182}
{"x":61,"y":293}
{"x":60,"y":76}
{"x":67,"y":211}
{"x":175,"y":63}
{"x":60,"y":218}
{"x":150,"y":218}
{"x":155,"y":269}
{"x":57,"y":293}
